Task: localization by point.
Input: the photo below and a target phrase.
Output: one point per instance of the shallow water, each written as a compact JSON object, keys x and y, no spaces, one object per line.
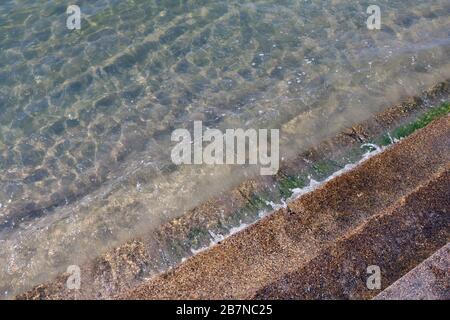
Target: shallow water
{"x":86,"y":116}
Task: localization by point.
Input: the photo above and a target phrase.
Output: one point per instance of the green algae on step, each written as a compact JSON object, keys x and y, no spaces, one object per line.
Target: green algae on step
{"x":423,"y":120}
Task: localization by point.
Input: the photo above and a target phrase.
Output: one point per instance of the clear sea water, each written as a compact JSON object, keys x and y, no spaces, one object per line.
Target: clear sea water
{"x":86,"y":115}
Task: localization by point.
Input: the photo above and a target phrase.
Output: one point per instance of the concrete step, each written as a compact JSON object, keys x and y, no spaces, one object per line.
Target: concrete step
{"x":430,"y":280}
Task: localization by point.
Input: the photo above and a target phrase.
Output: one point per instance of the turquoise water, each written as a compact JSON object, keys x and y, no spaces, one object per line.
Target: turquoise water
{"x":86,"y":115}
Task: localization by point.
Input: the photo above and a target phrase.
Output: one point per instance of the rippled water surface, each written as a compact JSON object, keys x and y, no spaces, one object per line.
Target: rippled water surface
{"x":86,"y":116}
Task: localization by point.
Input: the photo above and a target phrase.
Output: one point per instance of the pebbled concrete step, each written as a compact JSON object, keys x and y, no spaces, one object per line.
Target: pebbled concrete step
{"x":430,"y":280}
